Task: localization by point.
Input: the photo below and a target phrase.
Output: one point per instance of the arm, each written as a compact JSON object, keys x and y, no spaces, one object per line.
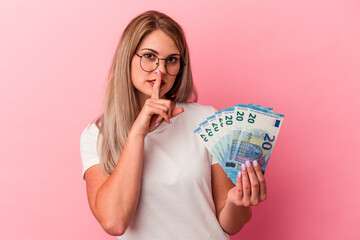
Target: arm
{"x":232,"y":218}
{"x":113,"y":200}
{"x":233,"y":202}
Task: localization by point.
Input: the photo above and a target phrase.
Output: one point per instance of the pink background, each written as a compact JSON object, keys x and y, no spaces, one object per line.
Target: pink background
{"x":300,"y":57}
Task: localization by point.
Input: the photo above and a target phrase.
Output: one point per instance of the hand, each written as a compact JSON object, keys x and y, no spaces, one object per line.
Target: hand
{"x":155,"y":111}
{"x":250,"y":188}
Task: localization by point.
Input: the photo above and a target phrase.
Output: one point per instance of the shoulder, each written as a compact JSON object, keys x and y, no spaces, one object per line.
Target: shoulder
{"x":90,"y":130}
{"x":89,"y":134}
{"x":89,"y":147}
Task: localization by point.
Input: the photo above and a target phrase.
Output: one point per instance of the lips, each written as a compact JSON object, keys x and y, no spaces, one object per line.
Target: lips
{"x":152,"y":82}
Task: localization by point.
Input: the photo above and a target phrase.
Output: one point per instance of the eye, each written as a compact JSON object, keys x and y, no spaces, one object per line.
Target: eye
{"x":149,"y":56}
{"x":172,"y":60}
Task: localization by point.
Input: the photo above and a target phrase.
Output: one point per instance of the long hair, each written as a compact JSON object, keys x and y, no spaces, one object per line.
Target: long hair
{"x":121,"y":104}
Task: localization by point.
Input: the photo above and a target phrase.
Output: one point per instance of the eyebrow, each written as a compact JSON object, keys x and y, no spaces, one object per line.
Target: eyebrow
{"x":152,"y":50}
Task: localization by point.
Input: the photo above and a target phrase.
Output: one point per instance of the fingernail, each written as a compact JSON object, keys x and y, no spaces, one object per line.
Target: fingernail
{"x":243,"y":167}
{"x":157,"y":124}
{"x":170,"y":121}
{"x":157,"y":72}
{"x":256,"y":164}
{"x":239,"y":174}
{"x":248,"y":164}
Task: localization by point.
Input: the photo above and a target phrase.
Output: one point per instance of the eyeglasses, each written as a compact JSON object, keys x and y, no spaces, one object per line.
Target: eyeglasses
{"x":149,"y":62}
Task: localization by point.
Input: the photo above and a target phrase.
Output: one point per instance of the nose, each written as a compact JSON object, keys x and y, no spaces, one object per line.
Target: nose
{"x":162,"y":66}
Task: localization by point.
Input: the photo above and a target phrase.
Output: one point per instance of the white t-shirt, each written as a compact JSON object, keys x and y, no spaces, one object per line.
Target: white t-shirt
{"x":175,"y":198}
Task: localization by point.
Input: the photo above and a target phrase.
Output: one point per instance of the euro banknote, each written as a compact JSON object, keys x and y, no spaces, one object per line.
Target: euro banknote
{"x":240,"y":133}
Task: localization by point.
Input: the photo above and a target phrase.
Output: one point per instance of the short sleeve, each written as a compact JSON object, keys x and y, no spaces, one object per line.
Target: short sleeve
{"x":88,"y":147}
{"x":212,"y":159}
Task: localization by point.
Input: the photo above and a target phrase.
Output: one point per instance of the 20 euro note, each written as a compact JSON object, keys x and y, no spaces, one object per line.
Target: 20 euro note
{"x":207,"y":135}
{"x":248,"y":133}
{"x":256,"y":141}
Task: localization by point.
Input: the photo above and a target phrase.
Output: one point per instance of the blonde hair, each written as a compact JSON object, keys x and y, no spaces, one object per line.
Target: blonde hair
{"x":121,"y":105}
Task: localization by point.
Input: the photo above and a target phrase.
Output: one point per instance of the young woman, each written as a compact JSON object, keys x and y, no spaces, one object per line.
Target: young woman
{"x":148,"y":176}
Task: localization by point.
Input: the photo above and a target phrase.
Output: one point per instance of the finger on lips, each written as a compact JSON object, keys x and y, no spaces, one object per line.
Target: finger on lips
{"x":156,"y":94}
{"x":156,"y":87}
{"x":166,"y":105}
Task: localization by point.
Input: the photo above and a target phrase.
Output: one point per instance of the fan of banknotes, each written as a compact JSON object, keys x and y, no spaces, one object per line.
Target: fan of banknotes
{"x":240,"y":133}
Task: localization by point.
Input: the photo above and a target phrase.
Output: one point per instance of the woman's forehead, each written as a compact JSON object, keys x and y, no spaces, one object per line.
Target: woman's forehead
{"x":160,"y":42}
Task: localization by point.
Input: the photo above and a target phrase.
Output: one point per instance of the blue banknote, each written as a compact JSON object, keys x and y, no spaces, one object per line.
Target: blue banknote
{"x":240,"y":133}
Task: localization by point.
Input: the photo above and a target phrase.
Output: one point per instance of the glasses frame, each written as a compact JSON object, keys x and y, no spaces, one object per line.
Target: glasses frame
{"x":182,"y":64}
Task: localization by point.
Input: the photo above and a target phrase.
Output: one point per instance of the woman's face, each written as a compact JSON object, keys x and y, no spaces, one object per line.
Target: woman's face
{"x":157,"y":43}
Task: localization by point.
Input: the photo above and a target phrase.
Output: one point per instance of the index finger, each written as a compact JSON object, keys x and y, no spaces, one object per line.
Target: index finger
{"x":156,"y":87}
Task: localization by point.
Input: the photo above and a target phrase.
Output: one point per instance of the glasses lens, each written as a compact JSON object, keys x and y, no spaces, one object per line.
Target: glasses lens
{"x":149,"y":62}
{"x":173,"y":65}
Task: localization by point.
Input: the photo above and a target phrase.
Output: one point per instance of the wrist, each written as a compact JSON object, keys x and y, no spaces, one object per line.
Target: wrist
{"x":236,"y":207}
{"x":134,"y":133}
